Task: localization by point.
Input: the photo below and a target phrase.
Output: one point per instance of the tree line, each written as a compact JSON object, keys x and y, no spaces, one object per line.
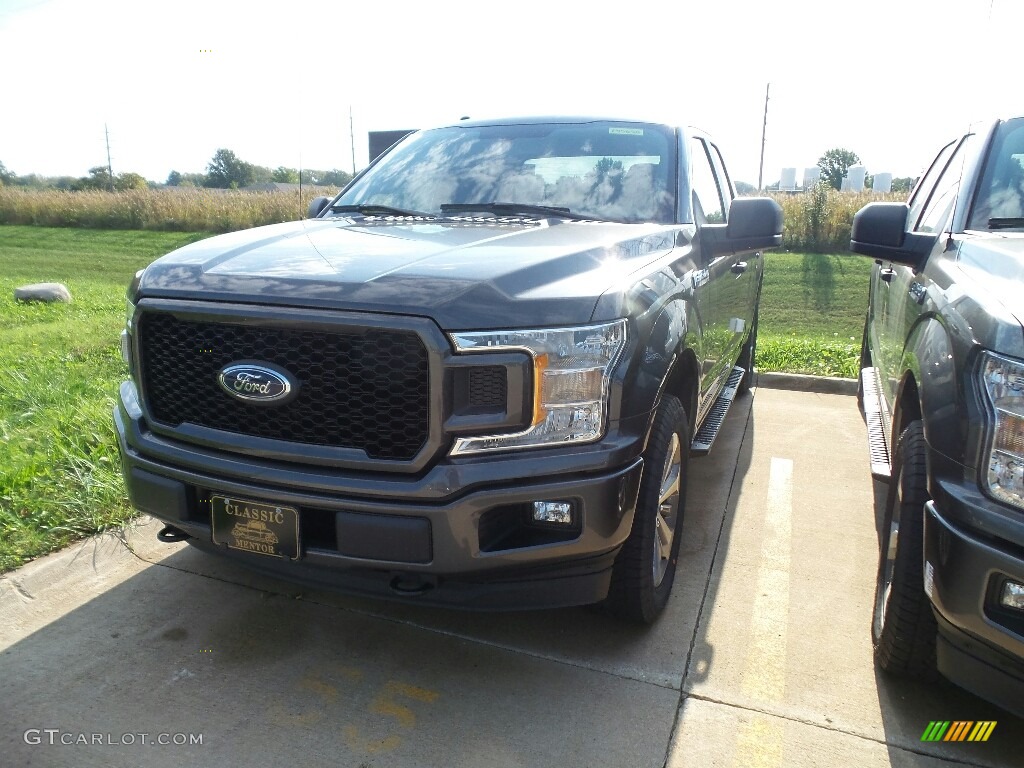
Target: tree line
{"x":228,"y":171}
{"x":224,"y":171}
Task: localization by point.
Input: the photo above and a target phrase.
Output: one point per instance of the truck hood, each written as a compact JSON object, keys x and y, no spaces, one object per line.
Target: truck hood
{"x":464,"y":273}
{"x":995,"y":264}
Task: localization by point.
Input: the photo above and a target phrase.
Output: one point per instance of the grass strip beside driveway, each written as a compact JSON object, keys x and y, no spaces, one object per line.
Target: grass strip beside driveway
{"x":60,"y":366}
{"x":812,"y":313}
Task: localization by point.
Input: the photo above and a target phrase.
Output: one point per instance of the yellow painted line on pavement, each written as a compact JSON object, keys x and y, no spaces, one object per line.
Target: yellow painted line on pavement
{"x":759,"y":741}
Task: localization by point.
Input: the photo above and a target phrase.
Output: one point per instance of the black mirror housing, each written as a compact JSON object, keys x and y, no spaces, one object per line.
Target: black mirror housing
{"x":882,"y":224}
{"x":316,"y":206}
{"x":755,"y":218}
{"x":754,"y":223}
{"x":880,"y":231}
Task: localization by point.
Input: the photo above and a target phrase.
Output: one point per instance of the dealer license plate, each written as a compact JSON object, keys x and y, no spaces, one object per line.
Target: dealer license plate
{"x":252,"y":526}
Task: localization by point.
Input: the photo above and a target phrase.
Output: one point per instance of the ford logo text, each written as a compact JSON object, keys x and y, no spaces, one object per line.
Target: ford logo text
{"x":255,"y":383}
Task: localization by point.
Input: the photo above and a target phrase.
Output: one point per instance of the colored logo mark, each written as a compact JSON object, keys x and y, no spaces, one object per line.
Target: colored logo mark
{"x":958,"y":730}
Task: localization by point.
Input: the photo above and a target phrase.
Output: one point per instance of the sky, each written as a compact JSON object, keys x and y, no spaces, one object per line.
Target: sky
{"x":277,"y":82}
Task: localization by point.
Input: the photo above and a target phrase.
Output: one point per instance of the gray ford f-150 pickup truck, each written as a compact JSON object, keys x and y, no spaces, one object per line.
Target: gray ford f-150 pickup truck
{"x":943,"y":395}
{"x":474,"y":378}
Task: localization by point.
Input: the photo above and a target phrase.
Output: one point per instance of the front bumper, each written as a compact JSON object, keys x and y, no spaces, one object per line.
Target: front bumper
{"x":475,"y":549}
{"x":980,"y":645}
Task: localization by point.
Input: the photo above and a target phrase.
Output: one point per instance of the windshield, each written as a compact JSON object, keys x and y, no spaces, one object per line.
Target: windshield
{"x":611,"y":171}
{"x":1000,"y":200}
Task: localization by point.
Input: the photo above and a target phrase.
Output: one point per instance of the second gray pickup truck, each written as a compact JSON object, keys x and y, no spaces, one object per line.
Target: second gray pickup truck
{"x":943,"y":395}
{"x":473,"y":378}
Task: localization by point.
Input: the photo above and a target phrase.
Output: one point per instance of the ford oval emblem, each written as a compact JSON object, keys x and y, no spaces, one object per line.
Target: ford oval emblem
{"x":255,"y":382}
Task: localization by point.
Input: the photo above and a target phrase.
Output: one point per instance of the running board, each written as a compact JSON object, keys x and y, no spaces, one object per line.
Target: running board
{"x":709,"y":429}
{"x":878,"y":446}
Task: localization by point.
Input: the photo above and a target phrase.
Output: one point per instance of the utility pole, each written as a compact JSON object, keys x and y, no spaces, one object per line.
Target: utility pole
{"x":110,"y":169}
{"x":352,"y":138}
{"x":764,"y":134}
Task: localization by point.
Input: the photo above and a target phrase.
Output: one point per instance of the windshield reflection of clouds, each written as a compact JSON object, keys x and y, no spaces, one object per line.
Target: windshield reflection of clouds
{"x":1001,"y":192}
{"x":597,"y":169}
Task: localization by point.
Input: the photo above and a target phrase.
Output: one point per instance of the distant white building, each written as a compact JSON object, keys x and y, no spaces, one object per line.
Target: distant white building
{"x":811,"y":176}
{"x":787,"y":182}
{"x":856,"y":175}
{"x":882,"y":182}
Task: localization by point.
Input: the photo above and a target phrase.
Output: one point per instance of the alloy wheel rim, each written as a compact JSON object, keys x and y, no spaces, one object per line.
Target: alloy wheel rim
{"x":888,"y":567}
{"x":667,"y":515}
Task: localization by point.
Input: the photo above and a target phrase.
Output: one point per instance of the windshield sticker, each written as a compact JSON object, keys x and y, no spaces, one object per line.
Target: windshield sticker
{"x":626,"y":131}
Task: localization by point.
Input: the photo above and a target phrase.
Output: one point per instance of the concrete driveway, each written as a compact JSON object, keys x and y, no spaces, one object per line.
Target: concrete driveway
{"x":763,"y":657}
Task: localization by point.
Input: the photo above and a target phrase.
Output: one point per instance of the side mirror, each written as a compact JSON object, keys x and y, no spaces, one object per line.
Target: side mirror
{"x":316,"y":206}
{"x":880,"y":231}
{"x":754,"y":222}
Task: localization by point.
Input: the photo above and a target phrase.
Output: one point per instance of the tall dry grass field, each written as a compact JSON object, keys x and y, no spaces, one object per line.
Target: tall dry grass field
{"x":817,"y":221}
{"x":820,"y":220}
{"x":172,"y":209}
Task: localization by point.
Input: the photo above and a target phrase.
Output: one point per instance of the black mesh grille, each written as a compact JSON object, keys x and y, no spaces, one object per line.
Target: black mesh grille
{"x":488,"y":386}
{"x":366,"y":390}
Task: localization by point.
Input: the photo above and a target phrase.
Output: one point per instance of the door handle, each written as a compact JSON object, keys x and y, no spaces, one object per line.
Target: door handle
{"x":739,"y":268}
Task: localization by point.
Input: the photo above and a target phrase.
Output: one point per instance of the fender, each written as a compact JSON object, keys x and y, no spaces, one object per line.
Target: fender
{"x":665,"y":322}
{"x":668,"y":361}
{"x":930,"y":363}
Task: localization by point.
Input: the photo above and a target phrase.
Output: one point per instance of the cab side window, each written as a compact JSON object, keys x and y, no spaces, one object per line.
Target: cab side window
{"x":938,"y":209}
{"x":724,"y":182}
{"x":927,"y":183}
{"x":708,"y":207}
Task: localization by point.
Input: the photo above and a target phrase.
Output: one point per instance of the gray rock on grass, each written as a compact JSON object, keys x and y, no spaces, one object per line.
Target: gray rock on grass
{"x":43,"y":292}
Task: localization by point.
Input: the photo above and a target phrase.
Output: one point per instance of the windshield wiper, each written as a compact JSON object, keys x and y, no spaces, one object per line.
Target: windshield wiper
{"x":512,"y":209}
{"x":371,"y":209}
{"x":1006,"y":223}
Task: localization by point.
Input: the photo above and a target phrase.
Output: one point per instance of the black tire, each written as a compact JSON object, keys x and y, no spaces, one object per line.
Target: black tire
{"x":646,"y":565}
{"x":903,"y":626}
{"x":746,"y":359}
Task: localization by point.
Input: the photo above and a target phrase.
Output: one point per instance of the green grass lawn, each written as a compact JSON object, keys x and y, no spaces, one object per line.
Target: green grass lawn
{"x":59,"y":370}
{"x":60,"y":366}
{"x":812,"y":313}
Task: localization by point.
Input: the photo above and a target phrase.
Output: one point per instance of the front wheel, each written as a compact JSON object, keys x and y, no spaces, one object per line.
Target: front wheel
{"x":903,"y":627}
{"x":645,"y":568}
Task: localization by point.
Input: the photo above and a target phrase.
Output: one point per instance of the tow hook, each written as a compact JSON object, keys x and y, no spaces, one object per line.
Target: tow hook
{"x":172,"y":535}
{"x":411,"y":585}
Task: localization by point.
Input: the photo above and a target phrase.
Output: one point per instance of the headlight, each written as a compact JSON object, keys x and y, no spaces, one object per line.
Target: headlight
{"x":129,"y":314}
{"x":131,"y":296}
{"x":571,"y":375}
{"x":1003,"y":382}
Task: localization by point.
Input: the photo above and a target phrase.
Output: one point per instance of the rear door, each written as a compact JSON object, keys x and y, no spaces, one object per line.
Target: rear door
{"x":746,"y":266}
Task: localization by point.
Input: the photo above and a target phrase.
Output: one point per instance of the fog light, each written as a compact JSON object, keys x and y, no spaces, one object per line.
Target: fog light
{"x":1013,"y":596}
{"x":554,"y":512}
